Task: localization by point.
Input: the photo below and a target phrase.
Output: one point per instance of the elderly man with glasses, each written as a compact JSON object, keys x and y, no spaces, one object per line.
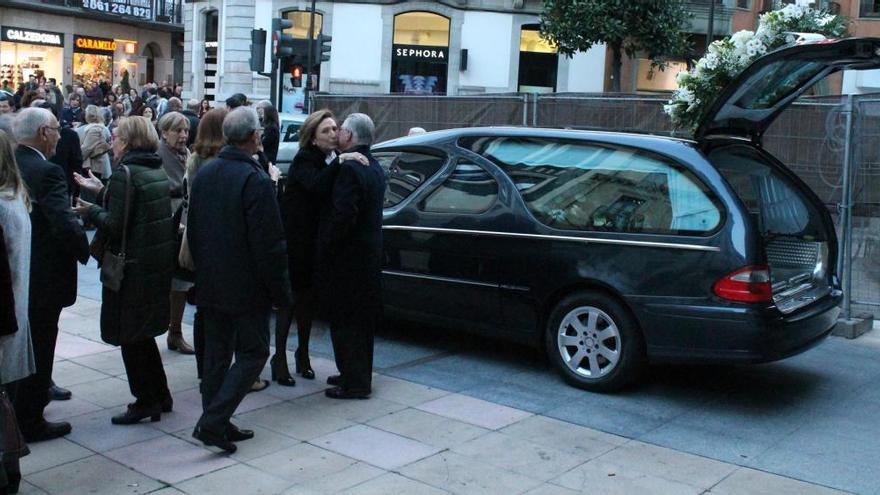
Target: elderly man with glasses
{"x":57,"y":243}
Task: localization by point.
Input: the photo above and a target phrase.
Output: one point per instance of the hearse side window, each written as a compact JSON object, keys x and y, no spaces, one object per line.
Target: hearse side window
{"x":405,"y":172}
{"x":577,"y":185}
{"x":469,"y":189}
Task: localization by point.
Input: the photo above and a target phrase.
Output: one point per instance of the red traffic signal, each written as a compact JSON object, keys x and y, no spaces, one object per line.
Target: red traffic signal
{"x":296,"y":72}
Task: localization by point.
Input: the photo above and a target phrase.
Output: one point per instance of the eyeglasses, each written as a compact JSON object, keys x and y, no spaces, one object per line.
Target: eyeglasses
{"x":54,"y":128}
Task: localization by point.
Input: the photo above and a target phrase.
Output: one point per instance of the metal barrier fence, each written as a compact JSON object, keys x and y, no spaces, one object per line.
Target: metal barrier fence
{"x":832,"y":143}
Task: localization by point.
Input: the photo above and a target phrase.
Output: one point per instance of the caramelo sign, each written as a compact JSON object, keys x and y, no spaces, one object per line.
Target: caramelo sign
{"x":89,"y":43}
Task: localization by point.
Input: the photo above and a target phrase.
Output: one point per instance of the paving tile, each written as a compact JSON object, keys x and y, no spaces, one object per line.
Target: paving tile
{"x":374,"y":446}
{"x":52,"y":453}
{"x":404,"y":392}
{"x":667,"y":463}
{"x":109,"y":362}
{"x":753,"y":482}
{"x":181,"y":376}
{"x":107,"y":392}
{"x":169,"y":459}
{"x":393,"y":483}
{"x":297,"y":422}
{"x":551,"y":489}
{"x":84,"y":306}
{"x":66,"y":409}
{"x":168,"y":490}
{"x":94,"y":475}
{"x":67,"y":373}
{"x":564,"y":436}
{"x":303,"y":387}
{"x":358,"y":411}
{"x":265,"y":442}
{"x":465,"y":475}
{"x":614,"y":479}
{"x":71,"y":346}
{"x":302,"y":462}
{"x":474,"y":411}
{"x":236,"y":479}
{"x":257,"y":400}
{"x":521,"y":456}
{"x":340,"y":481}
{"x":428,"y":428}
{"x":25,"y":488}
{"x":94,"y":431}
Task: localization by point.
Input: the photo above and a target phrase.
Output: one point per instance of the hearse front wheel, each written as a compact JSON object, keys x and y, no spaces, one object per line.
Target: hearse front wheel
{"x":594,"y":342}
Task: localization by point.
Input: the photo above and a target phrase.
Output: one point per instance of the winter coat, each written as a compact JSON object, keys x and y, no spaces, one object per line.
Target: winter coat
{"x":96,"y":149}
{"x":57,"y":238}
{"x":236,"y":237}
{"x":140,"y":309}
{"x":175,"y":171}
{"x":16,"y":350}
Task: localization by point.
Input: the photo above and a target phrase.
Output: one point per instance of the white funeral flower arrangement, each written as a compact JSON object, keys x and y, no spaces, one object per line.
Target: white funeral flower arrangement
{"x":727,"y":58}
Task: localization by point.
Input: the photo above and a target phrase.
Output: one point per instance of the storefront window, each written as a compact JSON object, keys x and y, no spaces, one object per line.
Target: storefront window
{"x":538,"y":62}
{"x":93,"y":58}
{"x":301,"y":20}
{"x":420,"y":54}
{"x":25,"y":53}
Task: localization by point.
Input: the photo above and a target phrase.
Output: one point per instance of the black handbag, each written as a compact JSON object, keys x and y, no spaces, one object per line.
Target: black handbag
{"x":113,"y":264}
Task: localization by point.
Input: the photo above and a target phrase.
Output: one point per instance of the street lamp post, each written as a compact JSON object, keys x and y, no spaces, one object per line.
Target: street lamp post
{"x":710,"y":31}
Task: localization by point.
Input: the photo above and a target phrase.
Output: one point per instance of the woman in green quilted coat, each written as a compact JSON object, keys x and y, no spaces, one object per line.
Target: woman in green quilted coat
{"x":132,"y":317}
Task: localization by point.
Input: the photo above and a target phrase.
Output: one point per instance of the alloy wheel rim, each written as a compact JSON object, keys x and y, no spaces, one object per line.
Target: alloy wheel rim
{"x":588,"y":341}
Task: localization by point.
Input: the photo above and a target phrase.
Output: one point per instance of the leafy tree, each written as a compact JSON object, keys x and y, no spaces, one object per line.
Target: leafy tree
{"x":626,"y":26}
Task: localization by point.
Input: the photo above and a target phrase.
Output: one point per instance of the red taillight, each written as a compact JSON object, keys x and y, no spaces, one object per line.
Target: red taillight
{"x":750,"y":284}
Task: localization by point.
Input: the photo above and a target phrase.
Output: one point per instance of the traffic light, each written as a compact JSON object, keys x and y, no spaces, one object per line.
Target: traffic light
{"x":258,"y":49}
{"x":322,"y":49}
{"x":296,"y":73}
{"x":282,"y":44}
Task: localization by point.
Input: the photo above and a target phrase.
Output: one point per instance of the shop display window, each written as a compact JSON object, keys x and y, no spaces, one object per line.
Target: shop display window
{"x":19,"y":61}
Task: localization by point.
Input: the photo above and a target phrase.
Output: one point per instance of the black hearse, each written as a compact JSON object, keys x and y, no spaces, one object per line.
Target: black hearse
{"x":614,"y":250}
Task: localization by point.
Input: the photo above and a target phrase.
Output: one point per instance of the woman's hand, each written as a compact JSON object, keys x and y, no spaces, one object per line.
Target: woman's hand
{"x":91,"y":183}
{"x":82,"y":207}
{"x":274,"y":172}
{"x":356,"y":157}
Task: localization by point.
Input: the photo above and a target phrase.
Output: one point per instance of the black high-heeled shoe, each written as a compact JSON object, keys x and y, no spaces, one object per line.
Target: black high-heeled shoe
{"x":280,"y":373}
{"x":303,"y":365}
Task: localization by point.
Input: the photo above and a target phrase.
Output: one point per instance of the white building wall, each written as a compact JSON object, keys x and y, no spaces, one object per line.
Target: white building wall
{"x":586,"y":71}
{"x":861,"y":81}
{"x":357,"y":44}
{"x":486,"y":37}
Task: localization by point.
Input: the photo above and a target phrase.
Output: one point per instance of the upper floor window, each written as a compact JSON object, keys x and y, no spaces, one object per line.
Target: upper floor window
{"x":869,"y":8}
{"x":301,"y":22}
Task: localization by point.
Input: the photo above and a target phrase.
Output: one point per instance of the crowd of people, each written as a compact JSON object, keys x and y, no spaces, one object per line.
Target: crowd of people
{"x":185,"y":204}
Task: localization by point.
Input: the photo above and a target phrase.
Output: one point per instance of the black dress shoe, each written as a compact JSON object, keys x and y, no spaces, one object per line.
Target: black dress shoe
{"x":236,"y":434}
{"x":58,"y":393}
{"x":167,"y":404}
{"x":136,"y":412}
{"x":214,"y":440}
{"x":350,"y":393}
{"x":334,"y":380}
{"x":46,"y":431}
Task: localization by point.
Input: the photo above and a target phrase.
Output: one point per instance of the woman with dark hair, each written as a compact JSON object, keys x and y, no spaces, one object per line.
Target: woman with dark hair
{"x":271,"y":130}
{"x":309,"y":184}
{"x":204,"y":107}
{"x":135,"y":314}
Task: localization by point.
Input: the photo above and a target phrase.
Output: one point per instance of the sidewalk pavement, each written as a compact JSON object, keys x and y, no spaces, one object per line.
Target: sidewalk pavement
{"x":408,"y":438}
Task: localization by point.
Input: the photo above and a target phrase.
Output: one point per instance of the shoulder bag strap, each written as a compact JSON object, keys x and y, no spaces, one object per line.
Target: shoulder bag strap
{"x":127,"y":208}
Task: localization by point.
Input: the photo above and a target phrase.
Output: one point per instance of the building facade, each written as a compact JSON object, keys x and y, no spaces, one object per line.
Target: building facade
{"x":415,"y":47}
{"x":64,"y":40}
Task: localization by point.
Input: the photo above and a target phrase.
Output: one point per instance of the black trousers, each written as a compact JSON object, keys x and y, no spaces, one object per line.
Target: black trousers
{"x":199,"y":341}
{"x":31,"y":395}
{"x":146,"y":375}
{"x":245,"y":337}
{"x":353,"y":350}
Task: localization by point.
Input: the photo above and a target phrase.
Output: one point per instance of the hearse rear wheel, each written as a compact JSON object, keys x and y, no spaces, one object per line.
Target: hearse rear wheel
{"x":594,"y":342}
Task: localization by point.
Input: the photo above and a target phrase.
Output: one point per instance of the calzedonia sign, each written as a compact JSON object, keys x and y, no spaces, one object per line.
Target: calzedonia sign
{"x":91,"y":44}
{"x":21,"y":35}
{"x":425,"y":53}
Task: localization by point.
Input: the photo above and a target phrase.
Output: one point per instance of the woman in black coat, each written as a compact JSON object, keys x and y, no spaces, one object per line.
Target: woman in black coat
{"x":309,"y":184}
{"x":271,"y":130}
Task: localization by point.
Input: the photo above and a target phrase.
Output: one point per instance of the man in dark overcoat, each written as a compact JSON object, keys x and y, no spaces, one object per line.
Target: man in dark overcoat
{"x":238,"y":246}
{"x":58,"y":242}
{"x":350,"y":254}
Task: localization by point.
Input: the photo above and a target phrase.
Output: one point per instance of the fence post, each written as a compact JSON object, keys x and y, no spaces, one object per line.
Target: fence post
{"x":525,"y":121}
{"x":535,"y":109}
{"x":846,"y":206}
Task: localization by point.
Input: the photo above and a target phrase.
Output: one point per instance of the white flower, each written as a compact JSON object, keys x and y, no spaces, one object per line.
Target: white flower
{"x":790,"y":39}
{"x":792,"y":11}
{"x":681,"y":76}
{"x":804,"y":3}
{"x":825,"y":20}
{"x":740,"y":38}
